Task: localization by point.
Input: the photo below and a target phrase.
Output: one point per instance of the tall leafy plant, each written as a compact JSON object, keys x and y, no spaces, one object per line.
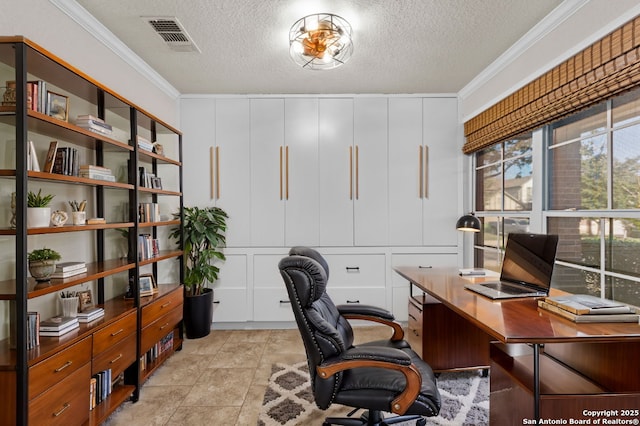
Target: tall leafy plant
{"x":204,"y":236}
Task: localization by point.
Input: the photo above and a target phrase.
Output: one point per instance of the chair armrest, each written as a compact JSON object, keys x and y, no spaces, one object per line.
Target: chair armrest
{"x":375,"y":314}
{"x":379,"y":357}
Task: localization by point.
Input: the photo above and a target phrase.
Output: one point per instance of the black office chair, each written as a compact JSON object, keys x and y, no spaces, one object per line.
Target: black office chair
{"x":383,"y":376}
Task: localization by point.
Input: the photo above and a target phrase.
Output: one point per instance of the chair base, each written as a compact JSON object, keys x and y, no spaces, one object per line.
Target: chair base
{"x":372,"y":418}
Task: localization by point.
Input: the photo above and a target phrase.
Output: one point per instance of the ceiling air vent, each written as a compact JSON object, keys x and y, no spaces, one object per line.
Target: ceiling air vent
{"x":172,"y":33}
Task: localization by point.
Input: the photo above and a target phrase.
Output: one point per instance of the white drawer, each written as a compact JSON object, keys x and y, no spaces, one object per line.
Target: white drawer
{"x":266,"y":272}
{"x":233,"y":272}
{"x":424,"y":259}
{"x":230,"y":305}
{"x":364,"y":296}
{"x":356,"y":270}
{"x":270,"y":304}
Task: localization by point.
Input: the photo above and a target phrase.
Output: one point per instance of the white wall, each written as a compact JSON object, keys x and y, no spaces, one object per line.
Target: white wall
{"x":590,"y":22}
{"x":46,"y":25}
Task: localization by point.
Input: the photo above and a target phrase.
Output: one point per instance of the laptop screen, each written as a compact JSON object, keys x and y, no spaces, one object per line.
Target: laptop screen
{"x":529,"y":258}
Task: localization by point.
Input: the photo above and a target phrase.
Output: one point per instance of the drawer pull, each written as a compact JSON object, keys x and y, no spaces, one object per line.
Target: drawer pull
{"x":285,"y":301}
{"x":165,"y":305}
{"x":116,"y":359}
{"x":424,"y":267}
{"x":65,"y":407}
{"x":66,"y":364}
{"x":164,"y":326}
{"x":353,"y":268}
{"x":216,"y":302}
{"x":115,"y":333}
{"x":353,"y":301}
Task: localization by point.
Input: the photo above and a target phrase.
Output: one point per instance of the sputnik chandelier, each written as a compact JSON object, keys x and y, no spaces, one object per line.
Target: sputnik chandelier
{"x":320,"y":41}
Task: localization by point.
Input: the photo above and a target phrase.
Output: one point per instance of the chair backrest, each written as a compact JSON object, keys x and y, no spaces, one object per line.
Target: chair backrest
{"x":324,"y":331}
{"x":309,"y":252}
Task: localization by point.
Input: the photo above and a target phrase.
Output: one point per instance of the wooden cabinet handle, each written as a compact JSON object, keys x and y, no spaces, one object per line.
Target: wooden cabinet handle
{"x":351,"y":173}
{"x":357,"y":172}
{"x":426,"y":172}
{"x":164,"y":326}
{"x":115,"y":359}
{"x":420,"y":172}
{"x":64,"y":408}
{"x":65,"y":365}
{"x":281,"y":173}
{"x":165,"y":305}
{"x":286,"y":153}
{"x":115,"y":333}
{"x":217,"y":172}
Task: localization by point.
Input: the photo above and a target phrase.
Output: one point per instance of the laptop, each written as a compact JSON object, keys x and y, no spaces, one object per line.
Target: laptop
{"x":527,"y":267}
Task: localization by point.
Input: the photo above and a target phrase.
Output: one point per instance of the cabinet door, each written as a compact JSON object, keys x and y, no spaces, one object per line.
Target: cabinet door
{"x":371,"y":212}
{"x":267,"y":172}
{"x":337,"y":173}
{"x":301,"y":172}
{"x":405,"y":146}
{"x":232,"y":162}
{"x":198,"y":126}
{"x":440,"y":201}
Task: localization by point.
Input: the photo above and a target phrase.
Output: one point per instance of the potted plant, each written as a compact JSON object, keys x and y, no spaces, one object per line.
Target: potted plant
{"x":38,"y":210}
{"x":204,"y":236}
{"x":42,"y":263}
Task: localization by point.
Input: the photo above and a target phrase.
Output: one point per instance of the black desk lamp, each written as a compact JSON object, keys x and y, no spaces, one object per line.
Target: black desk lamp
{"x":468,"y":223}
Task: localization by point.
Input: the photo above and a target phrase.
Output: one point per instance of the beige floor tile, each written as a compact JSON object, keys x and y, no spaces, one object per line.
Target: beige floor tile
{"x":204,"y":416}
{"x":238,"y":354}
{"x":251,"y":407}
{"x":208,"y":345}
{"x":155,"y":406}
{"x":220,"y":387}
{"x":182,"y":369}
{"x":255,"y":336}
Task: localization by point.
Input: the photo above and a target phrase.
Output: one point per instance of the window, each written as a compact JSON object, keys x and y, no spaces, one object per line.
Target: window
{"x":593,"y":199}
{"x":504,"y":196}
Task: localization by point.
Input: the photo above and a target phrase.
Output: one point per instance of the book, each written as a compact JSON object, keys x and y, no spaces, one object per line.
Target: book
{"x":35,"y":165}
{"x":69,"y":266}
{"x":89,"y":312}
{"x":67,"y":274}
{"x":96,"y":220}
{"x":588,"y":318}
{"x":60,"y":332}
{"x":58,"y":323}
{"x":91,"y":318}
{"x":581,"y":304}
{"x":51,"y":156}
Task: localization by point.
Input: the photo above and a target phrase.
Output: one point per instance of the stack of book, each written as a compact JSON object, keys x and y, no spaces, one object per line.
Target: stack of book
{"x":65,"y":161}
{"x":148,"y":247}
{"x":100,"y":387}
{"x":69,"y":269}
{"x":90,"y":314}
{"x":586,"y":308}
{"x":96,"y":172}
{"x":94,"y":124}
{"x":148,"y":212}
{"x":58,"y":326}
{"x":145,"y":144}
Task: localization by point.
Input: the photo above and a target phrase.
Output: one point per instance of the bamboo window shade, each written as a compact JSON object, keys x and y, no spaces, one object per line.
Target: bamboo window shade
{"x":608,"y":67}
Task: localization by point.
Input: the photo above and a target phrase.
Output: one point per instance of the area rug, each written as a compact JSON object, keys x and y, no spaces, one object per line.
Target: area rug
{"x":288,"y":400}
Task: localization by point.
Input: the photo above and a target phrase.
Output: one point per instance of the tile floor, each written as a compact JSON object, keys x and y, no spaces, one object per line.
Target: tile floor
{"x":219,"y":379}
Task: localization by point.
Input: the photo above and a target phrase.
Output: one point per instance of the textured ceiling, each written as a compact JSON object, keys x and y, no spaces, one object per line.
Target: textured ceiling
{"x":401,"y":46}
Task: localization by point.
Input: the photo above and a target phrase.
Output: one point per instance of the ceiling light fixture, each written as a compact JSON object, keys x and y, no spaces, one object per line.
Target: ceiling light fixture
{"x":321,"y":41}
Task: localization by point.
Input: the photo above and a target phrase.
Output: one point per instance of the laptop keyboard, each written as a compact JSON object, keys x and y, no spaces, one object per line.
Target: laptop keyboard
{"x":507,"y":288}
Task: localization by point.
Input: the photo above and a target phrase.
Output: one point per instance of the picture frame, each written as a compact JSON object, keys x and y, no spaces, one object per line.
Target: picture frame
{"x":147,"y":285}
{"x":85,"y":300}
{"x":57,"y":106}
{"x":156,"y":182}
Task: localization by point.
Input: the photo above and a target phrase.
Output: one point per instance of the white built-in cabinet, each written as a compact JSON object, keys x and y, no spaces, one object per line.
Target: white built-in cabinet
{"x":371,"y":181}
{"x":423,"y":172}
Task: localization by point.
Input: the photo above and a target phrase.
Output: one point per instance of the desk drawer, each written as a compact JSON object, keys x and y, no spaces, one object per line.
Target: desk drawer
{"x":114,"y":333}
{"x":414,"y":328}
{"x":160,"y":328}
{"x":52,"y":370}
{"x":66,"y":403}
{"x":117,"y":358}
{"x":160,"y":307}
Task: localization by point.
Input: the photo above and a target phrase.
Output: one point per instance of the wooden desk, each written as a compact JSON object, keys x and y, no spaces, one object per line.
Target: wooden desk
{"x":542,"y":366}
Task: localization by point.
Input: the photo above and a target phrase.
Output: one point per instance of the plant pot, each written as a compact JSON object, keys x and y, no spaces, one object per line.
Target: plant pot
{"x":198,"y":314}
{"x":38,"y":217}
{"x":41,"y":270}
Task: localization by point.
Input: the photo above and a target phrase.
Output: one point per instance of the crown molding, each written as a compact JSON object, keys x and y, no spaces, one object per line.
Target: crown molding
{"x":545,"y":26}
{"x":87,"y":21}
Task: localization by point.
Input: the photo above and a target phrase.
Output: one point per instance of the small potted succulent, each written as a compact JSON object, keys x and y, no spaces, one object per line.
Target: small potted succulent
{"x":42,"y":263}
{"x":38,"y":210}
